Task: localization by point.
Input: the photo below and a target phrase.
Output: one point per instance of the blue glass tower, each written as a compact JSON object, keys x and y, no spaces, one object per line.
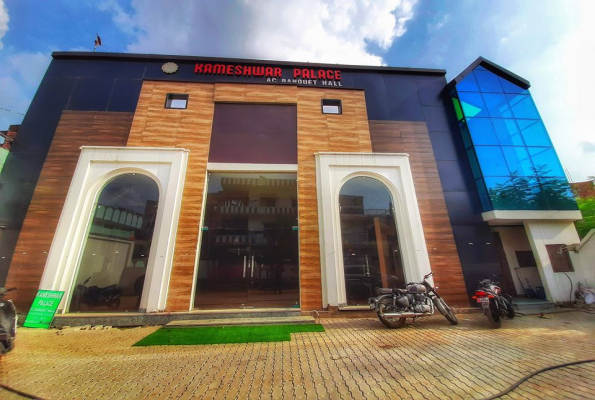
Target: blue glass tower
{"x":512,"y":157}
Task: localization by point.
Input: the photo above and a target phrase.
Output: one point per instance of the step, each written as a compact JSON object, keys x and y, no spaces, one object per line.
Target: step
{"x":532,"y":304}
{"x":163,"y":318}
{"x":241,"y":321}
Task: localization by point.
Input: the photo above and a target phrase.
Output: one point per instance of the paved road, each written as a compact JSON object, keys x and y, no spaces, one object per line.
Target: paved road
{"x":354,"y":358}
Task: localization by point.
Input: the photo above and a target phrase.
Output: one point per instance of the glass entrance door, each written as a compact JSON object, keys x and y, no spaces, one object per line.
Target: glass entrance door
{"x":249,"y":248}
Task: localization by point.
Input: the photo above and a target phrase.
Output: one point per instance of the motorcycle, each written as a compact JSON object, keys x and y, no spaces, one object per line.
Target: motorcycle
{"x":94,"y":296}
{"x":495,"y":305}
{"x":394,"y":306}
{"x":8,"y":322}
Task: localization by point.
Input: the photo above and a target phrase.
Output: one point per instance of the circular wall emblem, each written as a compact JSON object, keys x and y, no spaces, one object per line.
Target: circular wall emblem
{"x":169,"y":68}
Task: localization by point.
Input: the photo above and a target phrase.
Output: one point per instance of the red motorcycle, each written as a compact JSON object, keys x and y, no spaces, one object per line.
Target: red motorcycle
{"x":495,"y":305}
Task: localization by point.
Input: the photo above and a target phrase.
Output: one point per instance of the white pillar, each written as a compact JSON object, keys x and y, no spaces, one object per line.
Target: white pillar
{"x":541,"y":233}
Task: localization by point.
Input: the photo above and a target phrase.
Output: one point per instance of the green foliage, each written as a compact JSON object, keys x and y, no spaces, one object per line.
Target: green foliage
{"x":225,"y":334}
{"x":587,"y":207}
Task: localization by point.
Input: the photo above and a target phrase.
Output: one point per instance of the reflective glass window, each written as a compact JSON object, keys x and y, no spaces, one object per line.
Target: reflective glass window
{"x":497,"y":105}
{"x":483,"y":195}
{"x":174,"y":100}
{"x":507,"y":132}
{"x":371,"y":251}
{"x":473,"y":105}
{"x":505,"y":137}
{"x":458,"y":110}
{"x":534,"y":132}
{"x":474,"y":164}
{"x":546,"y":161}
{"x":249,"y":255}
{"x":491,"y":160}
{"x":523,"y":106}
{"x":482,"y":131}
{"x":465,"y":133}
{"x":512,"y":193}
{"x":510,"y":87}
{"x":556,"y":193}
{"x":488,"y":82}
{"x":107,"y":278}
{"x":518,"y":161}
{"x":468,"y":84}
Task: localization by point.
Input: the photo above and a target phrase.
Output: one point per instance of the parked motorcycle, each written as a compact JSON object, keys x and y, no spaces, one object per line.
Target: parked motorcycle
{"x":94,"y":296}
{"x":8,"y":322}
{"x":394,"y":306}
{"x":495,"y":305}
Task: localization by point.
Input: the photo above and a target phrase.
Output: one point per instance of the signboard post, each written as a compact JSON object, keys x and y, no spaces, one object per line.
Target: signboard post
{"x":43,"y":309}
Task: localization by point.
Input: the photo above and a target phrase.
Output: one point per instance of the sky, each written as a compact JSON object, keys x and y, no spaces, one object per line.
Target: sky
{"x":551,"y":43}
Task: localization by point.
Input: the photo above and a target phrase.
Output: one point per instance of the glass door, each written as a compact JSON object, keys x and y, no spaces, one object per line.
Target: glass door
{"x":249,"y":248}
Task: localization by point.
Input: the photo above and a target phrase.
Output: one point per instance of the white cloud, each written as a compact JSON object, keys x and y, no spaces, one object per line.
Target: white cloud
{"x":337,"y":31}
{"x":3,"y":21}
{"x":562,"y":85}
{"x":20,"y":75}
{"x":587,"y":147}
{"x":438,"y":24}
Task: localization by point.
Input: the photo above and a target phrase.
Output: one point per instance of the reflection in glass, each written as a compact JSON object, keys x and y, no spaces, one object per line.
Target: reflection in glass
{"x":468,"y":84}
{"x":507,"y":132}
{"x":488,"y":82}
{"x":518,"y":161}
{"x":113,"y":265}
{"x":545,"y":157}
{"x":497,"y":105}
{"x":523,"y":106}
{"x":537,"y":192}
{"x":510,"y":87}
{"x":534,"y":132}
{"x":473,"y":105}
{"x":249,"y":253}
{"x":465,"y":132}
{"x":491,"y":160}
{"x":503,"y":133}
{"x":474,"y":164}
{"x":482,"y":131}
{"x":371,"y":252}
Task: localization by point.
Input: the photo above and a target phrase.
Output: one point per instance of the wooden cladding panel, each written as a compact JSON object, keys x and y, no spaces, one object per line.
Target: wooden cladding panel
{"x":413,"y":138}
{"x":191,"y":128}
{"x":156,"y":126}
{"x":75,"y":129}
{"x":248,"y":93}
{"x":319,"y":132}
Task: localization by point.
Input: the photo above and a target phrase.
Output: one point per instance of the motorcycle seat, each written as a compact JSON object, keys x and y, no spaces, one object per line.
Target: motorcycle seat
{"x":384,"y":290}
{"x":389,"y":291}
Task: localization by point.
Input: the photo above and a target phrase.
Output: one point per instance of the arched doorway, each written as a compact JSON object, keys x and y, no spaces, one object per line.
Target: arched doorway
{"x":370,"y":244}
{"x":114,"y":260}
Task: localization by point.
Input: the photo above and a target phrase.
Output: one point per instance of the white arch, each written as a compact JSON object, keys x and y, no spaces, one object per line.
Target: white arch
{"x":118,"y":216}
{"x":392,"y":170}
{"x":97,"y":166}
{"x":394,"y":200}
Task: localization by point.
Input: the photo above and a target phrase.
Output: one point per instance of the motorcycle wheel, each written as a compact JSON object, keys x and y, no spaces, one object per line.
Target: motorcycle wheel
{"x":392,"y":323}
{"x":114,"y":304}
{"x":493,"y":315}
{"x":446,"y":311}
{"x":510,"y":313}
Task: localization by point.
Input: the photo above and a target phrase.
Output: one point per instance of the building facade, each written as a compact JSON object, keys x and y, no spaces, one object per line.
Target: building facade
{"x":186,"y":183}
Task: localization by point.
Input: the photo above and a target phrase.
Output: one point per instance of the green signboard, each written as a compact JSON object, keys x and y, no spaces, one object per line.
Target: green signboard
{"x":43,"y":309}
